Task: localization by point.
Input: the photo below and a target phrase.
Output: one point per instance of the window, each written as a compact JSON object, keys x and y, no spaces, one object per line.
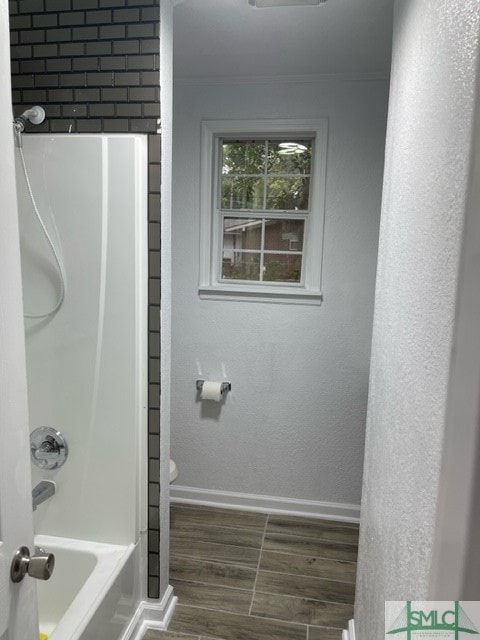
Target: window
{"x":262,"y":210}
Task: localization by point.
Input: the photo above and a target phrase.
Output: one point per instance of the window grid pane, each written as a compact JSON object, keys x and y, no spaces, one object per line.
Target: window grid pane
{"x":290,"y":156}
{"x":242,"y":265}
{"x":241,"y":191}
{"x":282,"y":268}
{"x":242,"y":157}
{"x":288,"y":194}
{"x":245,"y":258}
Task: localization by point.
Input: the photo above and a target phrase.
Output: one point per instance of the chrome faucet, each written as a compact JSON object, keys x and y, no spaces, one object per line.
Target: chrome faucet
{"x":44,"y":490}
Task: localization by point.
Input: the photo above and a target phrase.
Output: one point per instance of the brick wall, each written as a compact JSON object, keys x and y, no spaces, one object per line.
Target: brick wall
{"x":94,"y":67}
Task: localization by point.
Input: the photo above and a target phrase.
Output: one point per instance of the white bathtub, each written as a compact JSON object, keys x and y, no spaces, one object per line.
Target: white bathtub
{"x":91,"y":594}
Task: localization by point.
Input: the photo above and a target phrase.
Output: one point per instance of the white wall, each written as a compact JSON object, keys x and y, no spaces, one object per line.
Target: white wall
{"x":426,"y":178}
{"x":293,"y":425}
{"x":456,"y":554}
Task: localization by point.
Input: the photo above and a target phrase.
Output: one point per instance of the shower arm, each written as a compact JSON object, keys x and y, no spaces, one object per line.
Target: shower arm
{"x":35,"y":115}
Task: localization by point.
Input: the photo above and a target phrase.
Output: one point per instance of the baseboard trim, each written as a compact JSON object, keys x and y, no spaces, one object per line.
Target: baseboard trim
{"x":349,"y":634}
{"x":150,"y":615}
{"x":265,"y":504}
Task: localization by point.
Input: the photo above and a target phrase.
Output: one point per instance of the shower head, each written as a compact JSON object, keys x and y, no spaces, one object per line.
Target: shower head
{"x":35,"y":115}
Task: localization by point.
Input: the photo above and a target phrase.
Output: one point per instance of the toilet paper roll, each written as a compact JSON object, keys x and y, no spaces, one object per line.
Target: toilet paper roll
{"x":212,"y":390}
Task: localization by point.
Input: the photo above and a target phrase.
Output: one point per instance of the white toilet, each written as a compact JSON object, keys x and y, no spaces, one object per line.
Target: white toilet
{"x":173,"y":471}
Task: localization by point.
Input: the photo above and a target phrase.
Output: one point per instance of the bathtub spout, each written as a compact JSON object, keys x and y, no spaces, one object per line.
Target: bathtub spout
{"x":42,"y":491}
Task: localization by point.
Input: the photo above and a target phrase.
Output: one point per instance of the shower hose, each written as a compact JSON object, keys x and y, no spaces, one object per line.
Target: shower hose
{"x":52,"y":247}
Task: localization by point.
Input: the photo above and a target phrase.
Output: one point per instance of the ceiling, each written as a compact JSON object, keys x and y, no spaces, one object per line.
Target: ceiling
{"x":225,"y":38}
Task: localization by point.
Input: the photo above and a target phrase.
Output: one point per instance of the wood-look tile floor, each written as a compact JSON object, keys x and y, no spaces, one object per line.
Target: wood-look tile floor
{"x":250,"y":576}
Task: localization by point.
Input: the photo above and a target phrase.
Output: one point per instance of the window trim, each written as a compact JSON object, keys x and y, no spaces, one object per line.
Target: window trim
{"x":310,"y":291}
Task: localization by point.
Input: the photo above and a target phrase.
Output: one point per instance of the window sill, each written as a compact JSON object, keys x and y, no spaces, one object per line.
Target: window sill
{"x":277,"y":295}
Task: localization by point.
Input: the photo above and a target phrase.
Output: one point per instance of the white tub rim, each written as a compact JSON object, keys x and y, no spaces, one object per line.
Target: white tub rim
{"x":110,"y":560}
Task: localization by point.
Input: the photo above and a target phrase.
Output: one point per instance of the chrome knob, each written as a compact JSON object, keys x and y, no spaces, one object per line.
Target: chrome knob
{"x":39,"y":566}
{"x":48,"y":448}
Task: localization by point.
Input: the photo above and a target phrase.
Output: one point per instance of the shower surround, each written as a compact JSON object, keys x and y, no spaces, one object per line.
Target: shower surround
{"x":87,"y":368}
{"x":94,"y":66}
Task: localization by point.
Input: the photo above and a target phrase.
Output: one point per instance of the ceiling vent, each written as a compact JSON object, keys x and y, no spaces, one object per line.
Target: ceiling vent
{"x":264,"y":4}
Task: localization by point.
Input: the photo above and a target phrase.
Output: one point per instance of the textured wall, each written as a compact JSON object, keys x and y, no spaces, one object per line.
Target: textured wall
{"x":426,"y":173}
{"x":94,"y":66}
{"x":293,"y":425}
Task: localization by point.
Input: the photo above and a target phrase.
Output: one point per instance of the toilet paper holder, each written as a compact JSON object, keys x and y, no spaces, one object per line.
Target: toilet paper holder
{"x":226,"y":386}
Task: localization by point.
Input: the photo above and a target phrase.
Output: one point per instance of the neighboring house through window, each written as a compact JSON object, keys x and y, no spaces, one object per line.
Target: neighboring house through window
{"x":263,"y":186}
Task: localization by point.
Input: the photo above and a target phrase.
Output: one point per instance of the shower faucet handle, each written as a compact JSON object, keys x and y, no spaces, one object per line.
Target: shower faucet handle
{"x":48,"y":448}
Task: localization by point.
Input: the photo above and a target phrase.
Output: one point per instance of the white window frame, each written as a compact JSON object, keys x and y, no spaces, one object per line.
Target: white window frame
{"x":211,"y":286}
